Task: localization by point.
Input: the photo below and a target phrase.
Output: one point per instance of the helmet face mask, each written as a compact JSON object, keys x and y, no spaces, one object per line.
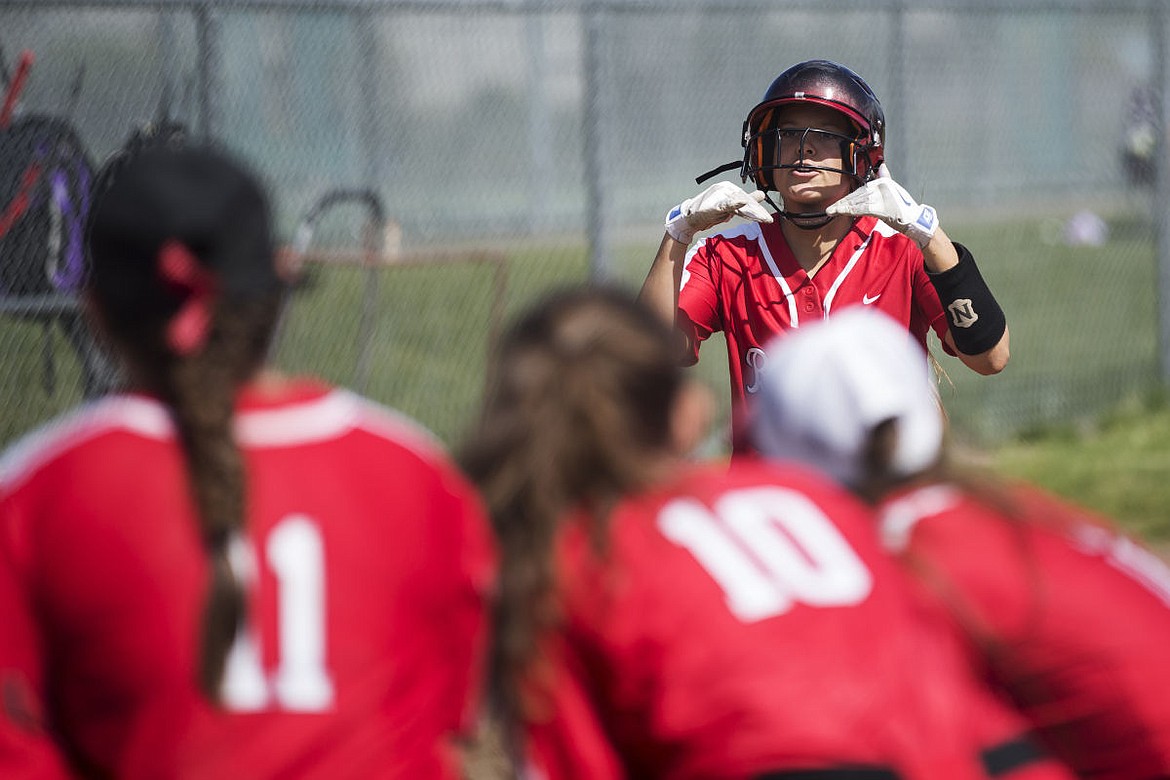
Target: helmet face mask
{"x":784,"y":149}
{"x":768,"y":148}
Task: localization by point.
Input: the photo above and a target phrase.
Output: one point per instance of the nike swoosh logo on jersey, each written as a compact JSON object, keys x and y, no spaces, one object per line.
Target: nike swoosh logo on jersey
{"x":867,"y":300}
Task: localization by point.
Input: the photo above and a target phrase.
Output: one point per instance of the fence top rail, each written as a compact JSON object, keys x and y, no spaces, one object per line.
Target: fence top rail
{"x":528,"y":6}
{"x":43,"y":305}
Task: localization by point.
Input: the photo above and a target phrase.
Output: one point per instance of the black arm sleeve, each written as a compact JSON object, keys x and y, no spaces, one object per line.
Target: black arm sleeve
{"x":974,"y":317}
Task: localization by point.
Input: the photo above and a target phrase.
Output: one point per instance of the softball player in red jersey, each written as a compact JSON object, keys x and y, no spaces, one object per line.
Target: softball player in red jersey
{"x":1067,"y":617}
{"x":360,"y":556}
{"x":724,"y":290}
{"x":844,"y":234}
{"x":662,"y":619}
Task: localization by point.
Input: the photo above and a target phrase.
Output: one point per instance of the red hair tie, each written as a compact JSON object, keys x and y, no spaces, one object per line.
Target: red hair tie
{"x":189,"y":327}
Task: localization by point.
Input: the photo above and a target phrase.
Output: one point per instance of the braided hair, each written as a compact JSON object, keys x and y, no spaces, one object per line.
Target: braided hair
{"x":199,"y":204}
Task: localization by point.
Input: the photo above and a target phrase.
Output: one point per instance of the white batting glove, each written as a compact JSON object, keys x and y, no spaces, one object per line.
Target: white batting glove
{"x":887,"y":200}
{"x":718,"y":203}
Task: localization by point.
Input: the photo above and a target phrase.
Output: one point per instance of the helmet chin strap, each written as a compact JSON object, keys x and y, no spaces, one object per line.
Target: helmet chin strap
{"x":805,"y":220}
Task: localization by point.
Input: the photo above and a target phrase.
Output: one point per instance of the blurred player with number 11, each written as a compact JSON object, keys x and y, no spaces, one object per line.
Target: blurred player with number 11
{"x":226,"y":572}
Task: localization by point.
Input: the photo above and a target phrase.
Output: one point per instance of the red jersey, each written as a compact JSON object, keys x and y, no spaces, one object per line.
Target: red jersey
{"x":747,"y":621}
{"x":745,"y":282}
{"x":1071,"y":618}
{"x":366,"y":558}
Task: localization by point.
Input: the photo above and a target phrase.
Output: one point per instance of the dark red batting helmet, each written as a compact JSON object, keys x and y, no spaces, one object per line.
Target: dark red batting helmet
{"x":822,"y":83}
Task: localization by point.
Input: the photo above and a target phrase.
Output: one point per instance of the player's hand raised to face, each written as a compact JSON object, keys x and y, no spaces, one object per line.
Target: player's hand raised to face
{"x":714,"y":205}
{"x":887,"y":200}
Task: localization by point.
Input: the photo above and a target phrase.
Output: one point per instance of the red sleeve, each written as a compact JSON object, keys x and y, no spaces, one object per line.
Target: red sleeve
{"x":568,"y":740}
{"x":698,"y":299}
{"x":26,"y":750}
{"x":462,"y":610}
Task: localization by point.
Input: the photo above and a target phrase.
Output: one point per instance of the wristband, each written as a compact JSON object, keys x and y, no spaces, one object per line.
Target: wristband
{"x":974,"y":317}
{"x":677,"y":226}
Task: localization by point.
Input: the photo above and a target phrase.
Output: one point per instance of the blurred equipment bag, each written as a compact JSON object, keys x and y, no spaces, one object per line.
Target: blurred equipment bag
{"x":45,"y":180}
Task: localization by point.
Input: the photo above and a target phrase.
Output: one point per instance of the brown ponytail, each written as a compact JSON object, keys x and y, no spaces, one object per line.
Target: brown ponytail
{"x":201,"y":392}
{"x":578,"y":407}
{"x":180,"y":230}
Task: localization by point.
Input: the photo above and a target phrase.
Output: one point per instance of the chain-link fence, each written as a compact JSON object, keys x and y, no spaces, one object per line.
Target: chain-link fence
{"x":439,"y":164}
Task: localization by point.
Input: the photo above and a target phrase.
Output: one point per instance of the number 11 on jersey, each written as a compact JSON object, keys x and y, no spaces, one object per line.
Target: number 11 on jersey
{"x":294,"y":552}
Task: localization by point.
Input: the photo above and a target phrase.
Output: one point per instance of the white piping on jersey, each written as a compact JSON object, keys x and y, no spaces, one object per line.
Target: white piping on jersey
{"x":752,"y":232}
{"x":793,"y":316}
{"x":1148,"y":569}
{"x":853,"y":260}
{"x":315,"y":420}
{"x":371,"y":417}
{"x":140,"y":416}
{"x":1125,"y":555}
{"x":897,"y":520}
{"x":320,"y":419}
{"x":686,"y":274}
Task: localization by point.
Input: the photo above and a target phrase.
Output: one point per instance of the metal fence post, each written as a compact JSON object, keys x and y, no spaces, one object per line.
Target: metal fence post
{"x":370,"y":124}
{"x":597,"y":221}
{"x":207,"y":39}
{"x":896,"y":105}
{"x":1160,"y":27}
{"x":542,"y":170}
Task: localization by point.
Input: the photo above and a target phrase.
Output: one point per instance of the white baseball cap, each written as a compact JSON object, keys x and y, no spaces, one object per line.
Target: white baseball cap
{"x":826,"y":386}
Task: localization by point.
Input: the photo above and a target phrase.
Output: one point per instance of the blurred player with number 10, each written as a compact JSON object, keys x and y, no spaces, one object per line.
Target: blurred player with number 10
{"x":660,"y":618}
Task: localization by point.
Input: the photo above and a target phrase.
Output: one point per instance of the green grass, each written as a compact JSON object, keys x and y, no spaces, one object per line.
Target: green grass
{"x":1119,"y":466}
{"x":428,"y":329}
{"x":39,"y":376}
{"x":1083,"y":328}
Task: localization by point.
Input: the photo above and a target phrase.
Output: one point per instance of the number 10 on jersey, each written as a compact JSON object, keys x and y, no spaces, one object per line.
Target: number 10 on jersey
{"x":768,"y":548}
